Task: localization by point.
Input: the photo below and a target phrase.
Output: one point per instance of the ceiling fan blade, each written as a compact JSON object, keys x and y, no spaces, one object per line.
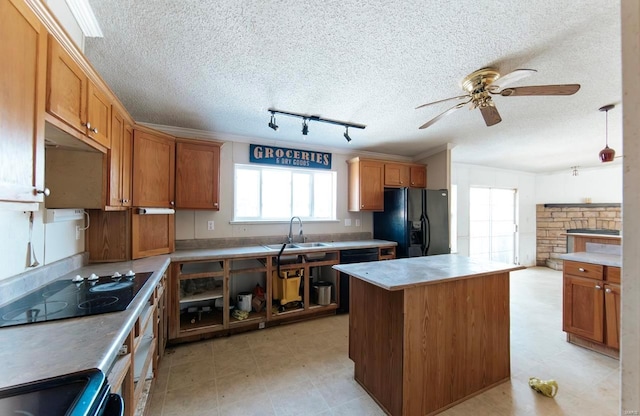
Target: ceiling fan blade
{"x":490,"y":115}
{"x":511,"y":77}
{"x":446,"y":99}
{"x":443,"y":114}
{"x":563,"y":89}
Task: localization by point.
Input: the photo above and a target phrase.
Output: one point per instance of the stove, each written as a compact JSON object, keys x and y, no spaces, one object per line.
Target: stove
{"x":71,"y":298}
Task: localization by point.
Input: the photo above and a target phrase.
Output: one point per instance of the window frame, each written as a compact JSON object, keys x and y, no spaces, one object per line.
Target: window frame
{"x":291,"y":170}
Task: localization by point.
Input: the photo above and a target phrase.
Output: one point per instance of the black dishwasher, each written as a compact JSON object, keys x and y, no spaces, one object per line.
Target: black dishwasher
{"x":358,"y":255}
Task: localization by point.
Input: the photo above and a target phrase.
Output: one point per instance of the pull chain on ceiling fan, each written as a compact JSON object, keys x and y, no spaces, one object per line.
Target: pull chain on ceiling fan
{"x":482,"y":84}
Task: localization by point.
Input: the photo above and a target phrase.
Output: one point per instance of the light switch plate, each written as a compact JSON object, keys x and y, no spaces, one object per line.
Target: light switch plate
{"x":357,"y":222}
{"x":347,"y":222}
{"x":210,"y":225}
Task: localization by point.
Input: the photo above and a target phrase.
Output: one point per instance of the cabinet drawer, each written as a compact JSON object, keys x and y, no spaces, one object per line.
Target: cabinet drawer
{"x":613,"y":274}
{"x":588,"y":270}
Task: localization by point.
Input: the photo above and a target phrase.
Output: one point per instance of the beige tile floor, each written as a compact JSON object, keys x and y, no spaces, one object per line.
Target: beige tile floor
{"x":303,"y":368}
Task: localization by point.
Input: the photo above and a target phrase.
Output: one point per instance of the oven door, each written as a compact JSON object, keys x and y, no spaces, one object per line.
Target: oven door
{"x":85,"y":393}
{"x":114,"y":406}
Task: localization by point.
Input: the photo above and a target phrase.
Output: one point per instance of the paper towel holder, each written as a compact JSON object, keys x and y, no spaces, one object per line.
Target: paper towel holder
{"x":156,"y":211}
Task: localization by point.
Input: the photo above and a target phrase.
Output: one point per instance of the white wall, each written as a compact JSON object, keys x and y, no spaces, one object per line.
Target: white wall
{"x":438,"y":169}
{"x":630,"y":330}
{"x":467,"y":176}
{"x":600,"y":184}
{"x":60,"y":240}
{"x":193,"y":224}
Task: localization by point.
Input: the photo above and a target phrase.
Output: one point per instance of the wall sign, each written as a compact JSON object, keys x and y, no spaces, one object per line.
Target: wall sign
{"x":271,"y":155}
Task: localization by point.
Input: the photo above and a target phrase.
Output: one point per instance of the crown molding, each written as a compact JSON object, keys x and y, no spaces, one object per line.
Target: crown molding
{"x":189,"y":133}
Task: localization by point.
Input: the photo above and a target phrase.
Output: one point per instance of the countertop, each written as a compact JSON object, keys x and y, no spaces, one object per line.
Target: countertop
{"x":401,"y":274}
{"x":614,"y":260}
{"x":253,"y":251}
{"x":49,"y":349}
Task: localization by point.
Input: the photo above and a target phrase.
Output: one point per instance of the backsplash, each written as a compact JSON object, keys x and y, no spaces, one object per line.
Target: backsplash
{"x":257,"y":241}
{"x":16,"y":286}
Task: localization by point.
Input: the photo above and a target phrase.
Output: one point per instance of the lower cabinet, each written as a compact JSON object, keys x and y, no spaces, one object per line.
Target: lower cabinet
{"x":233,"y":294}
{"x":139,"y":356}
{"x":591,"y":306}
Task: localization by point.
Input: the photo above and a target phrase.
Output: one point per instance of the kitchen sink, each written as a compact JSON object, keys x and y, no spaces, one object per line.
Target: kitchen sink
{"x":279,"y":246}
{"x":312,"y":245}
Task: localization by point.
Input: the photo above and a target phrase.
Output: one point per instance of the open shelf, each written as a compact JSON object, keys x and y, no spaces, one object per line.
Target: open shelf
{"x":206,"y":295}
{"x":206,"y":320}
{"x":253,"y":317}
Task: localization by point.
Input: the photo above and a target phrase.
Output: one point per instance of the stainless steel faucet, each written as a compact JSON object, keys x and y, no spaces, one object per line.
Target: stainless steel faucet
{"x":290,"y":238}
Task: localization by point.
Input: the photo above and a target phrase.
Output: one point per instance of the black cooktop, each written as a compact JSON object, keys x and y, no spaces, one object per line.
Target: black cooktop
{"x":62,"y":299}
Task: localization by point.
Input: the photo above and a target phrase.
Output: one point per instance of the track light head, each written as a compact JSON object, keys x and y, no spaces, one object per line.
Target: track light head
{"x":272,"y":123}
{"x":346,"y":134}
{"x":305,"y":127}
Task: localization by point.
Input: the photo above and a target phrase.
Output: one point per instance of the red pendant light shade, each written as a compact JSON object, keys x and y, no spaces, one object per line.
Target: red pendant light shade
{"x":607,"y":154}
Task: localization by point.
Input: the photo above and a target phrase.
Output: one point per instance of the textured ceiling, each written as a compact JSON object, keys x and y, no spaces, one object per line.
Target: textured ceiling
{"x":218,"y":66}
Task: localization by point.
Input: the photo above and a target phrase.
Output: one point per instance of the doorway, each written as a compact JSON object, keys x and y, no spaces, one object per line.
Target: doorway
{"x":492,"y":224}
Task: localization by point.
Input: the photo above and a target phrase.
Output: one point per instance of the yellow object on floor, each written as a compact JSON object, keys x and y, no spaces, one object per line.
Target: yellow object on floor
{"x":548,"y":388}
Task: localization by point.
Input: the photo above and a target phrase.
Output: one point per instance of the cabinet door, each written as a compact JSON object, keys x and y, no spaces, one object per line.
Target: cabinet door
{"x":371,"y":186}
{"x":22,"y":82}
{"x":153,"y":169}
{"x":612,"y":315}
{"x":66,"y":88}
{"x":114,"y":193}
{"x":197,"y":175}
{"x":396,"y":175}
{"x":126,"y":155}
{"x":583,"y":307}
{"x":98,"y":116}
{"x":418,"y":176}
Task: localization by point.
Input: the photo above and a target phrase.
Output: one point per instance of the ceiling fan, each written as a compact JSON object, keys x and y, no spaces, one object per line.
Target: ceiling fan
{"x":483,"y":83}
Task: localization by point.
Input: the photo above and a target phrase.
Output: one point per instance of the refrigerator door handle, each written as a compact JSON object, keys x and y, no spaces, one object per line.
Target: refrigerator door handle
{"x":426,"y":234}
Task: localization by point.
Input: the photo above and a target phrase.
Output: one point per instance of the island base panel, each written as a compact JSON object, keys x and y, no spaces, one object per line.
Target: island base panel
{"x":375,"y":342}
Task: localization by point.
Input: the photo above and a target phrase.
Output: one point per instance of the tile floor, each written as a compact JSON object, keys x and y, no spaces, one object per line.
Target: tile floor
{"x":303,"y":368}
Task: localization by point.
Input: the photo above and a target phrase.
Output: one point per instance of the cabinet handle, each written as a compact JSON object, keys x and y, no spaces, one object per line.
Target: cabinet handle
{"x":362,"y":206}
{"x":172,"y":203}
{"x":215,"y":204}
{"x":607,"y":290}
{"x":598,"y":287}
{"x":45,"y":191}
{"x":95,"y":130}
{"x":581,"y":269}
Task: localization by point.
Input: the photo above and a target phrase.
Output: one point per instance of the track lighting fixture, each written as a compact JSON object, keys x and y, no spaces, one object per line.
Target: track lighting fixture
{"x":574,"y":170}
{"x":607,"y":154}
{"x":305,"y":122}
{"x":272,"y":123}
{"x":346,"y":134}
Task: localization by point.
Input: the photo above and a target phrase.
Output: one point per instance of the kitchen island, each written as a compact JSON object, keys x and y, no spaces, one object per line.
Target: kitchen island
{"x":428,"y":332}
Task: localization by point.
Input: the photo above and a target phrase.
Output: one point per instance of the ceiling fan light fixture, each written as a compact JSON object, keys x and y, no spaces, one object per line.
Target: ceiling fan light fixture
{"x":607,"y":154}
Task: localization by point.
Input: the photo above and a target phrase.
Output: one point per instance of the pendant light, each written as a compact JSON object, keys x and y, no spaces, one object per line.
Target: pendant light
{"x":607,"y":154}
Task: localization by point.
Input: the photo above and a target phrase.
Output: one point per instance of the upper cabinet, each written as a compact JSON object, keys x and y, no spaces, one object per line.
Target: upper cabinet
{"x":153,"y":168}
{"x":22,"y":79}
{"x":401,"y":175}
{"x":197,"y":174}
{"x":74,"y":100}
{"x":366,"y":185}
{"x":120,"y":158}
{"x":369,"y":177}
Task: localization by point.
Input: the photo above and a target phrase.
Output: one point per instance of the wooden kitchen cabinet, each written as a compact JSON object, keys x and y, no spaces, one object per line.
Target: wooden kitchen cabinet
{"x":591,"y":306}
{"x":401,"y":175}
{"x":23,"y":79}
{"x":119,"y":161}
{"x":418,"y":176}
{"x":153,"y":168}
{"x":197,"y":174}
{"x":366,"y":185}
{"x":75,"y":100}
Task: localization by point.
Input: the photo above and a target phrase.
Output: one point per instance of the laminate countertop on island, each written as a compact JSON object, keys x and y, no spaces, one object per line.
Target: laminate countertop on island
{"x":426,"y":333}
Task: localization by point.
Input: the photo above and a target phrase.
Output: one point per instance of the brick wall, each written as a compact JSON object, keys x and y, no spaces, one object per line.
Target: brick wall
{"x":552,"y":220}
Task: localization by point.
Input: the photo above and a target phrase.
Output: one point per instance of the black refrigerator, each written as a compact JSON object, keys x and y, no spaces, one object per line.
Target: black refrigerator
{"x":417,"y":219}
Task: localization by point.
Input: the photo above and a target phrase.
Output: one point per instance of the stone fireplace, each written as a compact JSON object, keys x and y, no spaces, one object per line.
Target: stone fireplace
{"x":554,"y":220}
